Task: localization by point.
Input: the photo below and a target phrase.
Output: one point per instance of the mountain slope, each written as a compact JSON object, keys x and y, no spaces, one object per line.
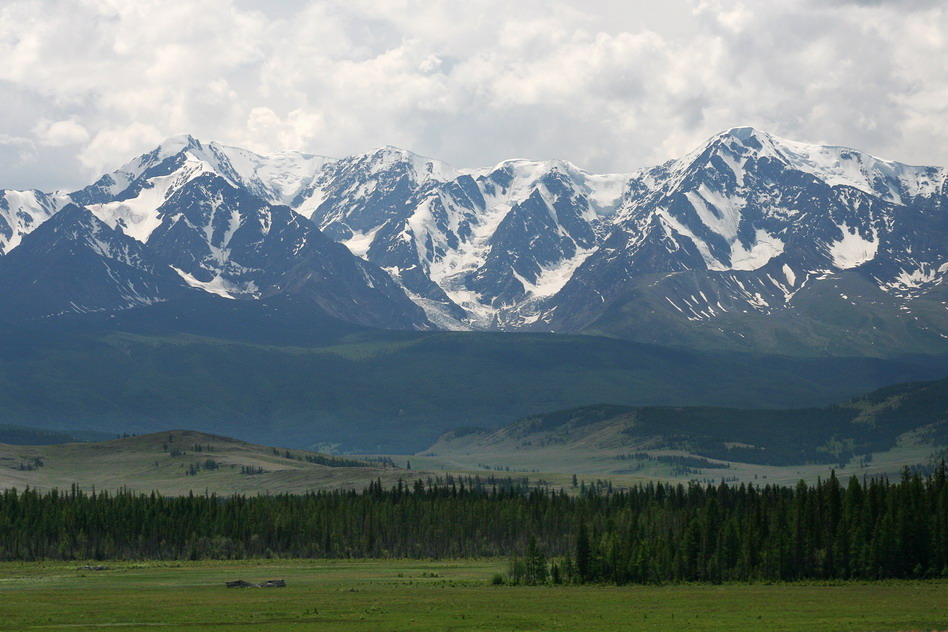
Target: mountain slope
{"x":223,"y":240}
{"x":475,"y":247}
{"x":276,"y":370}
{"x":75,"y":263}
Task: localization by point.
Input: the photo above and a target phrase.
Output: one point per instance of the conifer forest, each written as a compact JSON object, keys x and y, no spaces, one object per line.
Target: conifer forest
{"x":655,"y":533}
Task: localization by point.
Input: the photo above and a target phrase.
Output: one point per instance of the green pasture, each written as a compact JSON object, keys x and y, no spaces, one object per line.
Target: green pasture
{"x":419,"y":596}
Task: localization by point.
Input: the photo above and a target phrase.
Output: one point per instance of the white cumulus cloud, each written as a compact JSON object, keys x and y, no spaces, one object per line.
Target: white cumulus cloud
{"x":610,"y":85}
{"x":60,"y":133}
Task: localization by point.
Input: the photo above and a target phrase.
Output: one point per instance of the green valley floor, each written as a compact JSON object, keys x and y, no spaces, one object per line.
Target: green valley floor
{"x":437,"y":595}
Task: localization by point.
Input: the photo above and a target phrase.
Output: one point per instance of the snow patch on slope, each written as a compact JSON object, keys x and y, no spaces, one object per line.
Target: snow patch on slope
{"x":908,"y":282}
{"x":360,"y":243}
{"x":758,"y":254}
{"x":138,"y":217}
{"x":670,"y":226}
{"x":789,"y":274}
{"x":916,"y":278}
{"x":722,"y":214}
{"x":217,"y":285}
{"x":852,"y":250}
{"x":552,"y":279}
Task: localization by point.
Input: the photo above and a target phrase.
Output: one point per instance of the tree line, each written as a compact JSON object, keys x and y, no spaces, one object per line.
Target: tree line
{"x":651,"y":533}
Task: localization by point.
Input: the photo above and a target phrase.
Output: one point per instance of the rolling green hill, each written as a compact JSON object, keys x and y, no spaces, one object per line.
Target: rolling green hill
{"x":880,"y":432}
{"x":180,"y":461}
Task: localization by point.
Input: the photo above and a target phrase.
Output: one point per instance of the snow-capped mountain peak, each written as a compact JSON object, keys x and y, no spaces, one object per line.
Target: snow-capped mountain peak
{"x":834,"y":165}
{"x":174,"y":145}
{"x":420,"y":169}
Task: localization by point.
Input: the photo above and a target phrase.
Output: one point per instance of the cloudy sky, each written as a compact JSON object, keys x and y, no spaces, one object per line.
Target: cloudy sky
{"x":610,"y":85}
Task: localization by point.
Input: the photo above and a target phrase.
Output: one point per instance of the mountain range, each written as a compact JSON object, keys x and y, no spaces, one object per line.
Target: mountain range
{"x":751,"y":242}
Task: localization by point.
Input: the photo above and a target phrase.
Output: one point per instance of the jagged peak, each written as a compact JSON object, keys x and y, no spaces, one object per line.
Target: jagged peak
{"x":392,"y":149}
{"x":179,"y":142}
{"x":744,"y":134}
{"x":171,"y":146}
{"x":168,"y":148}
{"x":742,"y":140}
{"x":71,"y":212}
{"x":392,"y":152}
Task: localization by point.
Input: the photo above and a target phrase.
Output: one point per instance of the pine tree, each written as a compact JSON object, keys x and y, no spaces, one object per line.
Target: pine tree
{"x":536,"y":566}
{"x":583,"y":555}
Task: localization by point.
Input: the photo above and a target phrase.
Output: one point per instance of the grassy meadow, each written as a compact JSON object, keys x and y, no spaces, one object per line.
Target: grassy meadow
{"x":597,"y":458}
{"x":168,"y":462}
{"x":434,"y":595}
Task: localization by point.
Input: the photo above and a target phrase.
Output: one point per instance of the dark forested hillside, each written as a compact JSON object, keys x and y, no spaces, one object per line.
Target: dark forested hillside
{"x":276,"y":372}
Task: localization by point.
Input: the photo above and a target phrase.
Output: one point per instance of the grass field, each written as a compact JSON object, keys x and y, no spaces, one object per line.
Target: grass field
{"x":419,"y":596}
